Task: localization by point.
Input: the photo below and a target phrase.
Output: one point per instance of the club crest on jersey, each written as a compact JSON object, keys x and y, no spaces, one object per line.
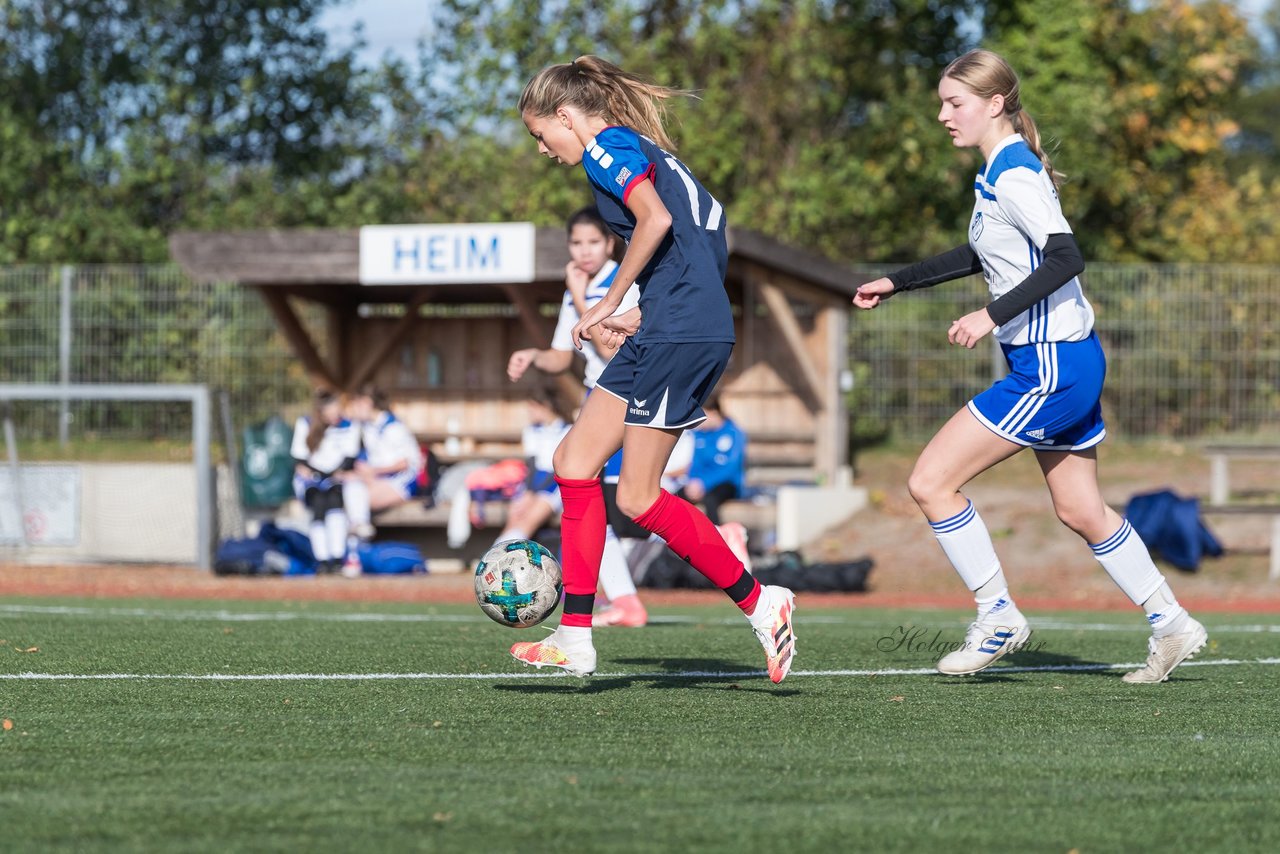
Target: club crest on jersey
{"x":623,"y":175}
{"x":975,"y":228}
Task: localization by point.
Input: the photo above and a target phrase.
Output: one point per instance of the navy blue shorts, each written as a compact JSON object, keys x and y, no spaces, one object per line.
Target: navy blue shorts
{"x":1050,"y":399}
{"x":664,"y":384}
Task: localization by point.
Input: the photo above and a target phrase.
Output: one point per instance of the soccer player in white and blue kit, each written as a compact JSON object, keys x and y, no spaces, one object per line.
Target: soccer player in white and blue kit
{"x":1049,"y":402}
{"x":591,"y":113}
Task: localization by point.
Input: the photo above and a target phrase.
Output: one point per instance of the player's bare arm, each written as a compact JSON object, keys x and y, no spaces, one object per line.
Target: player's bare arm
{"x":653,"y":222}
{"x":548,"y":361}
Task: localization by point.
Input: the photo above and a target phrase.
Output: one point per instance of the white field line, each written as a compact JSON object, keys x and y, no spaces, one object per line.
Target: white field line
{"x":678,"y":674}
{"x":223,"y":616}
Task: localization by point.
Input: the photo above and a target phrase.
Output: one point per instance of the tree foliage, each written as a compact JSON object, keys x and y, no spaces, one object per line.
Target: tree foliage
{"x":814,"y":121}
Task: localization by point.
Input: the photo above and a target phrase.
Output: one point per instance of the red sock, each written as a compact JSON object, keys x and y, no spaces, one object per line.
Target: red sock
{"x":691,"y":535}
{"x":582,"y":525}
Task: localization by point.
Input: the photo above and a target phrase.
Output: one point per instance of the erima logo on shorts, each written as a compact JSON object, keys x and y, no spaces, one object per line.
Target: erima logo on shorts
{"x":639,"y":409}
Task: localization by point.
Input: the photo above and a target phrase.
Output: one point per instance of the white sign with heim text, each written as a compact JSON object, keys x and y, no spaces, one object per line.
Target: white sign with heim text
{"x":459,"y":253}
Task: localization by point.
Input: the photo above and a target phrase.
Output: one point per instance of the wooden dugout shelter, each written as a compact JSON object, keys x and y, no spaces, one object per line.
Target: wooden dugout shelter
{"x":440,"y":350}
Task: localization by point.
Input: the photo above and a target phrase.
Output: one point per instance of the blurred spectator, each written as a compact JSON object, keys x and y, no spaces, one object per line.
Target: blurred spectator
{"x":387,"y":471}
{"x":718,"y":470}
{"x":540,"y":498}
{"x":325,"y":445}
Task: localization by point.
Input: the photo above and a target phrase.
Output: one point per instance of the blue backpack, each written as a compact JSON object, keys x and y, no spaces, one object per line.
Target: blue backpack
{"x":391,"y":558}
{"x":1171,"y":525}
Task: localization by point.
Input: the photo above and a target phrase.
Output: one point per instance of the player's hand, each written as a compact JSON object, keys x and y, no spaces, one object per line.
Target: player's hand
{"x":871,"y":294}
{"x":576,"y":280}
{"x":582,"y":330}
{"x":519,"y":362}
{"x":606,"y":339}
{"x":625,"y":324}
{"x":970,"y":329}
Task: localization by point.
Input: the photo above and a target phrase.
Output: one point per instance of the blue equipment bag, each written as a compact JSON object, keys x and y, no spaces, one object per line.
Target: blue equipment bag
{"x":391,"y":558}
{"x":1171,"y":525}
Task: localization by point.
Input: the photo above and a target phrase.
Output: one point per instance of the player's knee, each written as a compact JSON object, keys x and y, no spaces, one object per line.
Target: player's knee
{"x":923,"y":487}
{"x":1084,"y":521}
{"x":635,"y":502}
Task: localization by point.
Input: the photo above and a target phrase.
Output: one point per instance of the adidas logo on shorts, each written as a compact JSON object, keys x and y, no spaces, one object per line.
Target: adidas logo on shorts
{"x":1038,"y":435}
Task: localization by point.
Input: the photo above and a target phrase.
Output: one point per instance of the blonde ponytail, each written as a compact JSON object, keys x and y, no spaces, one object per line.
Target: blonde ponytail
{"x":600,"y":88}
{"x":988,"y":74}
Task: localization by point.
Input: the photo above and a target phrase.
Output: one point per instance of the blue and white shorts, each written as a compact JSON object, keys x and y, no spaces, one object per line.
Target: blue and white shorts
{"x":405,"y":482}
{"x":302,"y":483}
{"x":1050,"y":399}
{"x":664,"y":384}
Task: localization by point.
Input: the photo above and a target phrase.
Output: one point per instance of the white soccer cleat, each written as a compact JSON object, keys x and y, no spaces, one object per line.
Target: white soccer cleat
{"x":988,"y":640}
{"x":1168,"y":652}
{"x":772,"y":625}
{"x":552,"y":651}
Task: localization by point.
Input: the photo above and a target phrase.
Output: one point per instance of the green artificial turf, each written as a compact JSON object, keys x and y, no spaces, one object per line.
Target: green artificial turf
{"x":645,"y":756}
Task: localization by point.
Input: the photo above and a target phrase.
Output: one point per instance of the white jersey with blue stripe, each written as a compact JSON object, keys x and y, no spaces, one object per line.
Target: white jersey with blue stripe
{"x":562,"y":339}
{"x":340,"y":442}
{"x":387,"y":440}
{"x":1015,"y":210}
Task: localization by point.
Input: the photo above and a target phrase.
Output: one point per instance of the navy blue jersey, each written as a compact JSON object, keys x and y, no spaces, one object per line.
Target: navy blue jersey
{"x":682,"y":293}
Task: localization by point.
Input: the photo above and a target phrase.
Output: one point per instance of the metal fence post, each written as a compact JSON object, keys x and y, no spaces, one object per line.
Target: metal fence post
{"x":64,"y":351}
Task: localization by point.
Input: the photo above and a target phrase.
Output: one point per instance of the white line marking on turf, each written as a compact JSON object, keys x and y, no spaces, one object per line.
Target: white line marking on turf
{"x":678,"y":674}
{"x":671,"y":619}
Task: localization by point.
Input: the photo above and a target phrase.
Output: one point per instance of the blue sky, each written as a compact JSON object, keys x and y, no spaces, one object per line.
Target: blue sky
{"x":389,"y":25}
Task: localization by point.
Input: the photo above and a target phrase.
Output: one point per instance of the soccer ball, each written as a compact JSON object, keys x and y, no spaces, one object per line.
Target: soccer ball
{"x":518,"y":583}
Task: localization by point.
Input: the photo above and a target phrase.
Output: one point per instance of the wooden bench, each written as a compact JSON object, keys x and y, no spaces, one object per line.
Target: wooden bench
{"x":1221,"y":501}
{"x":760,"y":520}
{"x":1219,"y":468}
{"x":1265,"y":510}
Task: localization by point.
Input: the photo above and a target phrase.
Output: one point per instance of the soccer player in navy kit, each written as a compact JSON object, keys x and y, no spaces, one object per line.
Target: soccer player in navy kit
{"x":593,"y":113}
{"x":1049,"y":402}
{"x":588,"y":274}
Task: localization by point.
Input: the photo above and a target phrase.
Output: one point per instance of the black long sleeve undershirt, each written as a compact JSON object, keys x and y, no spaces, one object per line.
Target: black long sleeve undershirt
{"x":953,"y":264}
{"x":1061,"y":263}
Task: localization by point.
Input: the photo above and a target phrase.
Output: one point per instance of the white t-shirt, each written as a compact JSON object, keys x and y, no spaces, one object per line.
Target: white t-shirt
{"x":340,"y":443}
{"x":596,"y":289}
{"x":540,"y":442}
{"x":1015,"y":210}
{"x":387,"y":441}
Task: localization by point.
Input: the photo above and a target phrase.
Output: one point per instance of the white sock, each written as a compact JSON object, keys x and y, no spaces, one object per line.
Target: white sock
{"x":336,"y":528}
{"x":1125,"y":558}
{"x":512,"y":534}
{"x":759,"y":618}
{"x":615,"y":575}
{"x":993,"y":597}
{"x":1164,"y":613}
{"x":575,"y":635}
{"x":355,"y":497}
{"x":319,"y":542}
{"x":968,"y":546}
